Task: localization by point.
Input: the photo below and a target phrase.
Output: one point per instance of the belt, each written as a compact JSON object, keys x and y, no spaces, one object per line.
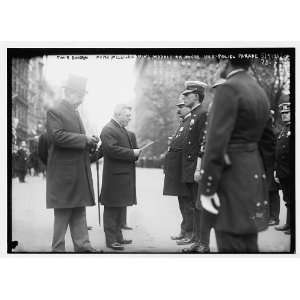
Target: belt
{"x":245,"y":147}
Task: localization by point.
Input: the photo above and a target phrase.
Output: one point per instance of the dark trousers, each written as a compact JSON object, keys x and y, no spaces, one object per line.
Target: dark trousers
{"x":75,"y":218}
{"x":21,"y":175}
{"x":193,"y":190}
{"x":112,"y":219}
{"x":207,"y":222}
{"x":124,"y":217}
{"x":236,"y":243}
{"x":274,"y":201}
{"x":187,"y":213}
{"x":286,"y":191}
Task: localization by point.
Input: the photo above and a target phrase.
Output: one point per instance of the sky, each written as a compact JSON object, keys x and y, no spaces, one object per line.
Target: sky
{"x":110,"y":81}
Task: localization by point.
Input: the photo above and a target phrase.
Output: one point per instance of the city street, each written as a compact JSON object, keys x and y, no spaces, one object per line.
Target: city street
{"x":154,"y":219}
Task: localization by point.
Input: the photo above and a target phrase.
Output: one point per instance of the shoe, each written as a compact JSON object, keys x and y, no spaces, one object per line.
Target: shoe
{"x":185,"y":241}
{"x":86,"y":250}
{"x":115,"y":246}
{"x":125,"y":227}
{"x":125,"y":242}
{"x":282,"y":227}
{"x":202,"y":249}
{"x":288,"y":231}
{"x":192,"y":248}
{"x":273,"y":222}
{"x":177,"y":237}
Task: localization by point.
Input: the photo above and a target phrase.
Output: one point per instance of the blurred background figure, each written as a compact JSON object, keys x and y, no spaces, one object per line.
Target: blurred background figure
{"x":283,"y":164}
{"x":274,"y":197}
{"x":21,"y":162}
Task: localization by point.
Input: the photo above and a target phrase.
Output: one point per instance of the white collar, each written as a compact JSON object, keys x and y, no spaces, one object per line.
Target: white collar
{"x":195,"y":106}
{"x":234,"y":72}
{"x":186,"y":116}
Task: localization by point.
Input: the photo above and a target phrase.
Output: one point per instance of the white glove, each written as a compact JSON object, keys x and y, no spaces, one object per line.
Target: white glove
{"x":207,"y":203}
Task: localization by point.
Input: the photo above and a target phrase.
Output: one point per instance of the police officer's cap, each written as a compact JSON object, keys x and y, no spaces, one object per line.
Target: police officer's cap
{"x":196,"y":87}
{"x":284,"y":107}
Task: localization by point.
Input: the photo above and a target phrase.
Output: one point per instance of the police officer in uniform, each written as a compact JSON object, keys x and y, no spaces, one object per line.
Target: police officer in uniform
{"x":274,"y":198}
{"x":207,"y":219}
{"x":283,"y":163}
{"x":173,"y":185}
{"x":192,"y":153}
{"x":233,"y":180}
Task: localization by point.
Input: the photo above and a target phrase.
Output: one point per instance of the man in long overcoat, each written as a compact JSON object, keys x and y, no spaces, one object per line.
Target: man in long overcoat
{"x":118,"y":181}
{"x":173,"y":186}
{"x":69,"y":178}
{"x":233,"y":178}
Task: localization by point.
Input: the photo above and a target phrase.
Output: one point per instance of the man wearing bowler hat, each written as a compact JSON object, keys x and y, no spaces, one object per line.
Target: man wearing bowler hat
{"x":192,"y":152}
{"x":69,"y":178}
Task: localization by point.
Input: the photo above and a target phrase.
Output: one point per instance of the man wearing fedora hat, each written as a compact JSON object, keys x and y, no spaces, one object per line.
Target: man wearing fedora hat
{"x":69,"y":178}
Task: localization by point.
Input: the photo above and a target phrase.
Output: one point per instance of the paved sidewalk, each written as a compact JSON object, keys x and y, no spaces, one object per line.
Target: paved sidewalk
{"x":154,"y":219}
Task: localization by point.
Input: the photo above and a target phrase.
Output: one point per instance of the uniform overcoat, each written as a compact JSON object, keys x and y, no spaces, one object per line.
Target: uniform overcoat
{"x":69,"y":178}
{"x":173,"y":185}
{"x":238,"y":121}
{"x":118,"y":179}
{"x":193,"y":142}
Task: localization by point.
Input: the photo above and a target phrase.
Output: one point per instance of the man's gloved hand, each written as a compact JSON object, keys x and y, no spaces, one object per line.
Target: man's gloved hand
{"x":197,"y":176}
{"x":210,"y":203}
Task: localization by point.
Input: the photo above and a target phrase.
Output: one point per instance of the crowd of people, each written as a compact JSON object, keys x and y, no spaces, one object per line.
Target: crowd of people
{"x":26,"y":163}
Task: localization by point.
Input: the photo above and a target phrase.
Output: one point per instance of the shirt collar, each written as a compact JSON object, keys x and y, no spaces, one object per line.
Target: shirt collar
{"x":195,"y":106}
{"x":186,"y":116}
{"x":234,"y":72}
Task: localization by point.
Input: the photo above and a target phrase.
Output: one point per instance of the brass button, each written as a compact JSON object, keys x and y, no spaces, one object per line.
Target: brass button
{"x":202,"y":171}
{"x":209,"y":184}
{"x":256,"y":176}
{"x":258,"y":204}
{"x":207,"y":190}
{"x":209,"y":178}
{"x":265,"y":202}
{"x":264,"y":176}
{"x":189,"y":142}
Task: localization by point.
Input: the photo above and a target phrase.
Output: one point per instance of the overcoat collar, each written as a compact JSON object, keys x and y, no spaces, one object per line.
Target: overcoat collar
{"x":232,"y":73}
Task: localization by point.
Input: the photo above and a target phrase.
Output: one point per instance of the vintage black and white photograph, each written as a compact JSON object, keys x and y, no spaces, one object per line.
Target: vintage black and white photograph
{"x":151,"y":150}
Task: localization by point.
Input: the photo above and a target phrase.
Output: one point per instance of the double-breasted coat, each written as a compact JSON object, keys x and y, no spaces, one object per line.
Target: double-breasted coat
{"x":69,"y":178}
{"x":173,"y":185}
{"x":118,"y":179}
{"x":193,"y":142}
{"x":238,"y":120}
